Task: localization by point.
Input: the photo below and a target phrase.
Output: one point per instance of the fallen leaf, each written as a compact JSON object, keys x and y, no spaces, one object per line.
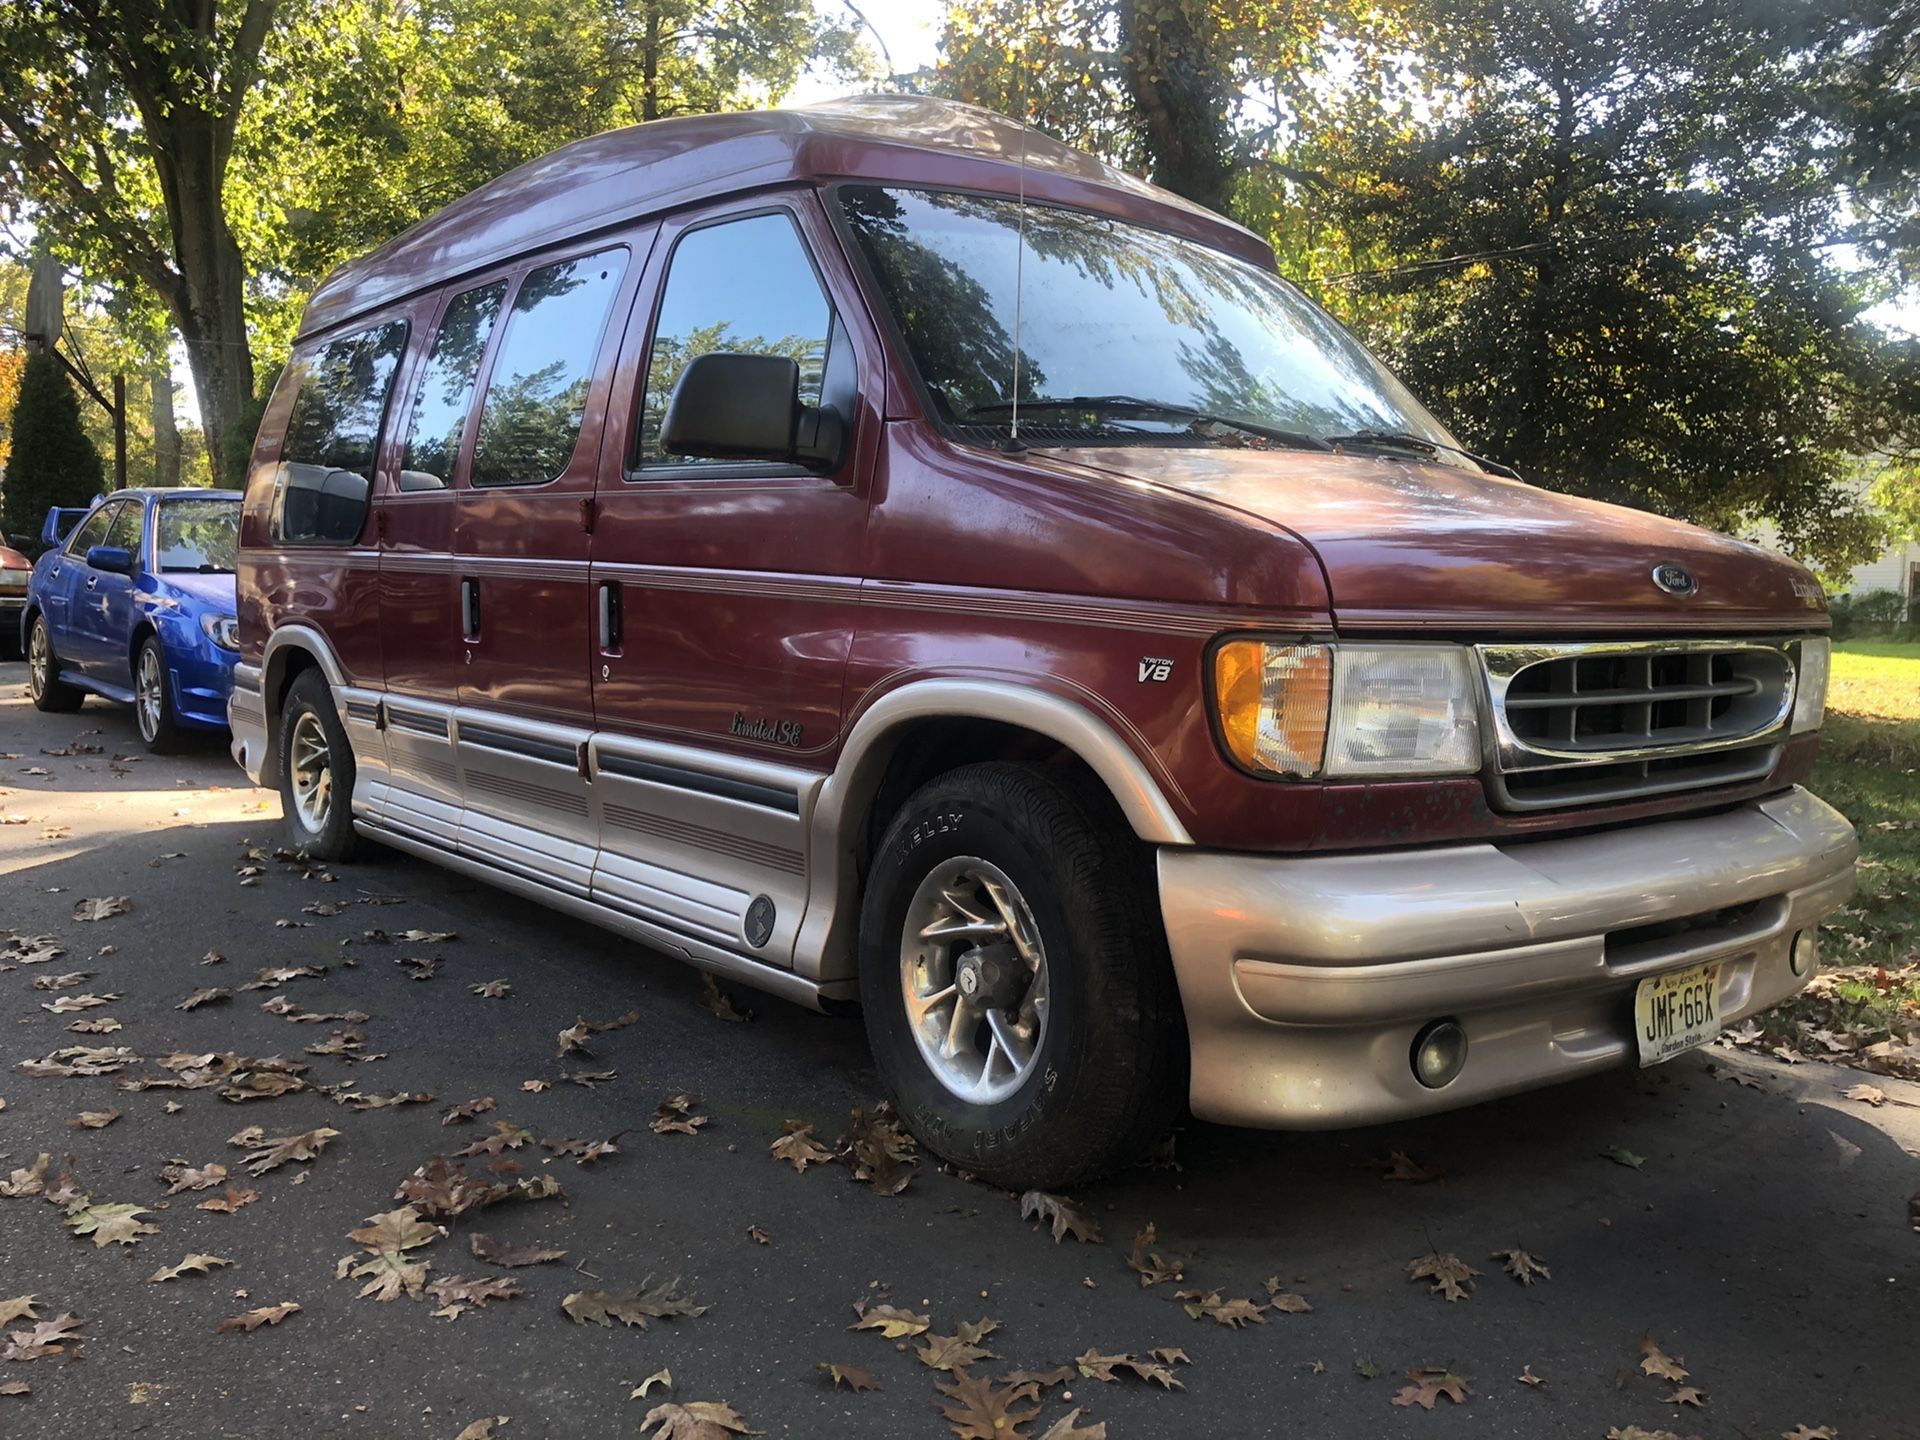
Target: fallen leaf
{"x":1620,"y":1155}
{"x":851,"y":1376}
{"x":116,"y":1224}
{"x":1231,"y":1313}
{"x":47,"y":1337}
{"x":485,"y":1247}
{"x":674,"y":1116}
{"x":481,"y":1429}
{"x":982,"y":1410}
{"x":758,"y":1236}
{"x":272,"y":1153}
{"x":72,"y":980}
{"x":1153,"y":1269}
{"x":1657,"y":1363}
{"x":195,"y":1264}
{"x":1429,"y":1385}
{"x":1096,"y":1366}
{"x":254,"y":1319}
{"x":718,"y":1002}
{"x":67,"y":1004}
{"x":1810,"y":1432}
{"x":588,"y":1078}
{"x":798,"y":1147}
{"x":699,"y":1420}
{"x":1451,"y":1276}
{"x":15,"y":1387}
{"x":662,"y":1378}
{"x":534,"y":1087}
{"x":95,"y":1119}
{"x":1045,"y":1379}
{"x":428,"y":937}
{"x":630,"y":1307}
{"x":1867,"y":1094}
{"x":475,"y":1292}
{"x":205,"y":997}
{"x":272,"y":977}
{"x":105,"y":1025}
{"x":1687,"y":1395}
{"x":27,"y":1182}
{"x":1065,"y":1218}
{"x":232,"y":1200}
{"x":20,"y":1307}
{"x":454,"y":1114}
{"x":1634,"y":1432}
{"x":892,"y":1322}
{"x":878,"y":1151}
{"x":1068,"y":1428}
{"x":951,"y":1352}
{"x":492,"y":989}
{"x":1527,"y":1377}
{"x":102,"y":909}
{"x":1401,"y":1166}
{"x":506,"y":1136}
{"x":1286,"y":1301}
{"x":1522,"y":1266}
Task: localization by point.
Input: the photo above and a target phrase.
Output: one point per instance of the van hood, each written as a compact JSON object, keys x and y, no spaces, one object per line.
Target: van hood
{"x":1408,"y":545}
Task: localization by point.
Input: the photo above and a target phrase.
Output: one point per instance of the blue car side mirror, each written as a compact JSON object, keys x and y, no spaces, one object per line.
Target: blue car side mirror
{"x":111,"y":558}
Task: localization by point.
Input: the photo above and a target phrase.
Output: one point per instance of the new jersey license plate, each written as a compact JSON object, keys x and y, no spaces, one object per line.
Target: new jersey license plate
{"x":1676,"y":1012}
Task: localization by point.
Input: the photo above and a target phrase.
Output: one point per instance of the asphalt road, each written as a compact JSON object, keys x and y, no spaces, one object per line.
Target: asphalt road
{"x":1764,"y":1242}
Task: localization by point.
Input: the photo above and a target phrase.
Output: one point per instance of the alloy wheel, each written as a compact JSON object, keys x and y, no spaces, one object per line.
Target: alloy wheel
{"x":39,"y":660}
{"x":148,"y":698}
{"x":310,"y":767}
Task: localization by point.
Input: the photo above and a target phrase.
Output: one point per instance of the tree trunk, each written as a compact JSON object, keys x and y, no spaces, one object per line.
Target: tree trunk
{"x":166,"y":434}
{"x":1180,"y":96}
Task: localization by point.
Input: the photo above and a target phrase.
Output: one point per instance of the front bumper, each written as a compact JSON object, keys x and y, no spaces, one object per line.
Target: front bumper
{"x":1305,"y":980}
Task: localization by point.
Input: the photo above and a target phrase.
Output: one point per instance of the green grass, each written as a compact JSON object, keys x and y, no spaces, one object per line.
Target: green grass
{"x":1869,"y":768}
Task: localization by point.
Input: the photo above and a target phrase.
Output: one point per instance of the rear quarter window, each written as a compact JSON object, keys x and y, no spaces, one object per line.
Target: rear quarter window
{"x":333,"y":436}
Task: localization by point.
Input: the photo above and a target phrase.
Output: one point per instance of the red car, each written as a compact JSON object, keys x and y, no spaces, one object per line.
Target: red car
{"x":16,"y":573}
{"x":880,"y":555}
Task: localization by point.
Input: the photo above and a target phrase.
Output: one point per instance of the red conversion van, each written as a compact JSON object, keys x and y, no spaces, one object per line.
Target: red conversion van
{"x":877,"y":554}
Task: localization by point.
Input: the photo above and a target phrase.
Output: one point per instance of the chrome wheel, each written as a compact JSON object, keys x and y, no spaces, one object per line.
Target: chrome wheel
{"x":148,"y":700}
{"x":973,"y":974}
{"x":39,"y":660}
{"x":310,"y":766}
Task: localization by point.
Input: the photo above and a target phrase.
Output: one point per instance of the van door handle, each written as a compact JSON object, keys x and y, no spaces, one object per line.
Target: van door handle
{"x":470,"y":608}
{"x":610,"y":616}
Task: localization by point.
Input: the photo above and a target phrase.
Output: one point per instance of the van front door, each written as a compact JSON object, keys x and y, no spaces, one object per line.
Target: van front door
{"x":725,"y":594}
{"x":520,"y":572}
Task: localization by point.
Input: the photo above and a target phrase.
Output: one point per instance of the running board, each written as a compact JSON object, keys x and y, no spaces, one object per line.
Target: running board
{"x":724,"y":963}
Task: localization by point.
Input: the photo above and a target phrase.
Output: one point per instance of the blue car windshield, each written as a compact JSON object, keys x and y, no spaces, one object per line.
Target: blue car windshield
{"x":200,"y":536}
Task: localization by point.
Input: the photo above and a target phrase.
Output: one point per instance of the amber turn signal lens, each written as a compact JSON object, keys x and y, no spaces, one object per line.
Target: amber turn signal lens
{"x":1272,"y":701}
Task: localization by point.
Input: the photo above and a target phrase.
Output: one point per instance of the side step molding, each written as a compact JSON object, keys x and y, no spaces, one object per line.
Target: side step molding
{"x":834,"y":997}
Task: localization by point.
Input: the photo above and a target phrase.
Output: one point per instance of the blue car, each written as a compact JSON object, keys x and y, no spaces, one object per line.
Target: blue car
{"x":136,"y":605}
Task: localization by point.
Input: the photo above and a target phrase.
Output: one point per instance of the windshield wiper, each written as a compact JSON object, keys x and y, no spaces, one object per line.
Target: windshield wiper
{"x":1125,"y":405}
{"x":1402,"y":440}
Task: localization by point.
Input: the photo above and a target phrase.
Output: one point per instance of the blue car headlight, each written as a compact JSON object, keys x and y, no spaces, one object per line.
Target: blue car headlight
{"x":222,"y":630}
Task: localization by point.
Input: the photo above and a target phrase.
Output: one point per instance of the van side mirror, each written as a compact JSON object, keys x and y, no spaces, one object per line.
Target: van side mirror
{"x":747,"y":407}
{"x":111,"y":558}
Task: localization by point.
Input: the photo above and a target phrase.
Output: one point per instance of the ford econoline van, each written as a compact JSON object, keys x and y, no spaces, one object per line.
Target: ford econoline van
{"x":879,"y":555}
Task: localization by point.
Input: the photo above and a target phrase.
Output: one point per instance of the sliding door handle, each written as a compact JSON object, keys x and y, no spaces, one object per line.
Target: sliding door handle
{"x":470,"y":608}
{"x":610,"y":616}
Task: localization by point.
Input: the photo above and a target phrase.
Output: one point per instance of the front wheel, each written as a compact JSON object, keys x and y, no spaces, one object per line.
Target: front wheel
{"x":153,"y":698}
{"x":316,"y":771}
{"x":1015,"y":981}
{"x":50,"y":693}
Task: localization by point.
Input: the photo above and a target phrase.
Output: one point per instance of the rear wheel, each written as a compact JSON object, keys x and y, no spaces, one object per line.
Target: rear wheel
{"x":50,"y":693}
{"x":316,"y":771}
{"x":1015,"y":980}
{"x":153,"y":698}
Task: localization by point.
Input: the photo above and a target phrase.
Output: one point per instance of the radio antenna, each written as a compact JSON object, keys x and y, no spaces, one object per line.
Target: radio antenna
{"x":1020,"y":246}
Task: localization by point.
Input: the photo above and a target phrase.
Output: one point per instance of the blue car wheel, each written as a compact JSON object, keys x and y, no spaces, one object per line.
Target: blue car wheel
{"x":50,"y":693}
{"x":153,"y":697}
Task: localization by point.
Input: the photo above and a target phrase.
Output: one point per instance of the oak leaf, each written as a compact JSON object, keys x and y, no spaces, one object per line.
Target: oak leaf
{"x":67,"y":1004}
{"x":273,"y":1152}
{"x":982,"y":1410}
{"x":253,"y":1319}
{"x":475,"y":1292}
{"x":1522,"y":1266}
{"x":1657,"y":1363}
{"x":1068,"y":1428}
{"x":658,"y":1377}
{"x":105,"y":1025}
{"x":492,"y":989}
{"x":1687,"y":1395}
{"x":104,"y":908}
{"x":194,"y":1264}
{"x":719,"y":1003}
{"x":1096,"y":1366}
{"x":272,"y":977}
{"x":631,"y":1307}
{"x":72,"y":980}
{"x":1231,"y":1313}
{"x":95,"y":1119}
{"x":1045,"y":1379}
{"x":506,"y":1136}
{"x":485,"y":1247}
{"x":454,"y":1114}
{"x":1064,"y":1216}
{"x":1401,"y":1166}
{"x":1285,"y":1301}
{"x":878,"y":1151}
{"x":1429,"y":1384}
{"x":206,"y":996}
{"x":177,"y":1175}
{"x":1153,"y":1268}
{"x":27,"y":1182}
{"x":798,"y":1147}
{"x":951,"y":1352}
{"x":674,"y":1116}
{"x":47,"y":1337}
{"x":481,"y":1429}
{"x":851,"y":1376}
{"x":116,"y":1224}
{"x":232,"y":1200}
{"x":20,"y":1307}
{"x":1451,"y":1276}
{"x":890,"y":1321}
{"x":697,"y":1420}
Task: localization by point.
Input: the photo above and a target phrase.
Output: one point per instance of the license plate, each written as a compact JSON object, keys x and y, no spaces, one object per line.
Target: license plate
{"x":1677,"y":1012}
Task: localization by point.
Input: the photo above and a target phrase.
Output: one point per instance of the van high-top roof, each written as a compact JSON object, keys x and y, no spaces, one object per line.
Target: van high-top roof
{"x":642,"y":169}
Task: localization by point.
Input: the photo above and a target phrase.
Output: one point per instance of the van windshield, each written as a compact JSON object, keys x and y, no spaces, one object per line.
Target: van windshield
{"x":1126,"y":334}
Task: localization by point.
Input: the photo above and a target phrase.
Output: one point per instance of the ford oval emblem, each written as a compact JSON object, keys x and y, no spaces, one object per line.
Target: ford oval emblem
{"x":1674,"y":579}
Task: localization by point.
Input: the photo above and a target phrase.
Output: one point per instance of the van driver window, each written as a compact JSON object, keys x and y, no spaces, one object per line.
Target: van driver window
{"x":446,"y":390}
{"x":333,"y":434}
{"x":537,"y":394}
{"x":747,"y":287}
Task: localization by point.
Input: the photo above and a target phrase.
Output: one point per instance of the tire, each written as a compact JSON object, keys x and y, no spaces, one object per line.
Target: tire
{"x":153,"y":698}
{"x":1105,"y":1072}
{"x":316,"y":771}
{"x":50,"y":693}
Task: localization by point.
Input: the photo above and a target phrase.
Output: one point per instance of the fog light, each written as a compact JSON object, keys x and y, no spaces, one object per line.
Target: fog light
{"x":1439,"y":1053}
{"x":1805,"y":953}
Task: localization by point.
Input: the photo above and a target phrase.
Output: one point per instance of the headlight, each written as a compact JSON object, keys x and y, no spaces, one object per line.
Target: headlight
{"x":1810,"y":690}
{"x":11,"y":579}
{"x":1347,"y":711}
{"x":222,"y":630}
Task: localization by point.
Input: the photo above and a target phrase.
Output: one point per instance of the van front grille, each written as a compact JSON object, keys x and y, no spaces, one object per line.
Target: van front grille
{"x":1584,"y":724}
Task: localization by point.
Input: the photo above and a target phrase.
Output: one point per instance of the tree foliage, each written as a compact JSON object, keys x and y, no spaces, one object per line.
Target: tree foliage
{"x":53,"y":462}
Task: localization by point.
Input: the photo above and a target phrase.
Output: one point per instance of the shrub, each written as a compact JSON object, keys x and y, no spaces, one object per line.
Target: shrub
{"x":1877,"y":607}
{"x":53,"y":462}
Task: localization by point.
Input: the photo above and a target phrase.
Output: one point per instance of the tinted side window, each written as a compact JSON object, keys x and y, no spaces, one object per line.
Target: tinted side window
{"x":744,"y":286}
{"x":537,"y":394}
{"x":125,"y":530}
{"x":446,"y":390}
{"x":333,"y":435}
{"x":93,"y":532}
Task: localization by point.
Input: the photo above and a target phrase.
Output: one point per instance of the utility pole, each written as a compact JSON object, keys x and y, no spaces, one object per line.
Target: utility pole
{"x":46,"y":320}
{"x":119,"y":432}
